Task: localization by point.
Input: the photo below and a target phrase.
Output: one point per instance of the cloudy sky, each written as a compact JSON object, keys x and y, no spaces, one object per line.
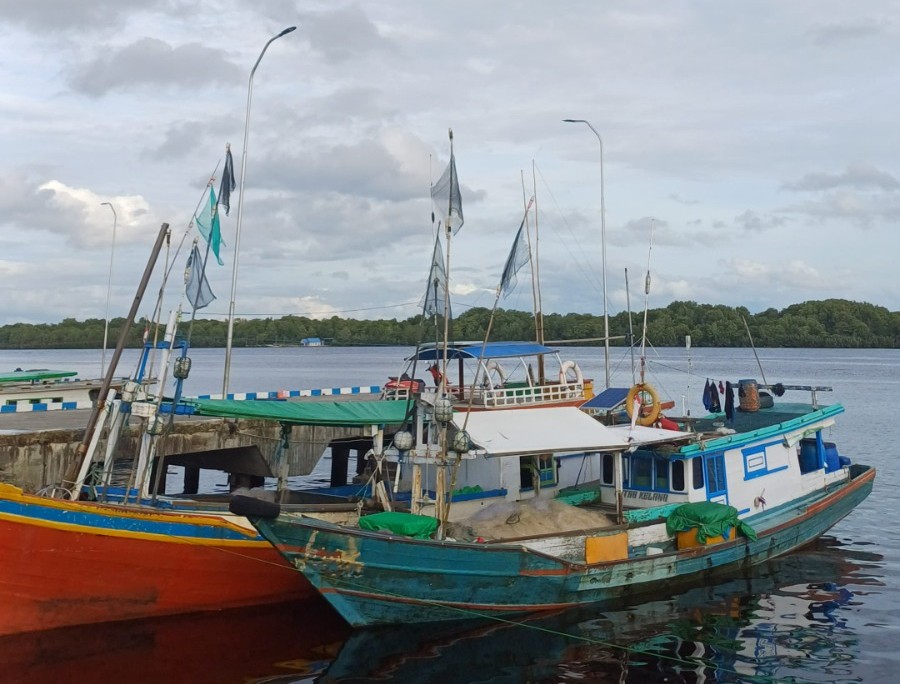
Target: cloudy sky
{"x":757,"y":142}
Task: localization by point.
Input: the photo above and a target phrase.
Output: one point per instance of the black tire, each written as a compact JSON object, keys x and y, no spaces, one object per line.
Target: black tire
{"x":251,"y":507}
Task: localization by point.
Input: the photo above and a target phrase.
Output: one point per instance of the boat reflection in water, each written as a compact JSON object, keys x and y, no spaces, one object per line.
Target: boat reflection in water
{"x":783,"y":619}
{"x":261,"y":644}
{"x":786,"y":618}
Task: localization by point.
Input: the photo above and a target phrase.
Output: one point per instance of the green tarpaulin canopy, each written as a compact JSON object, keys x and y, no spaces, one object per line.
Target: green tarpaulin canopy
{"x":36,"y":375}
{"x":406,"y":524}
{"x":334,"y":413}
{"x":710,"y":519}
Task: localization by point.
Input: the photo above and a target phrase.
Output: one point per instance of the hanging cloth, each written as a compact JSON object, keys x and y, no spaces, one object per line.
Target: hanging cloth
{"x":715,"y":405}
{"x":729,"y":400}
{"x":706,"y":397}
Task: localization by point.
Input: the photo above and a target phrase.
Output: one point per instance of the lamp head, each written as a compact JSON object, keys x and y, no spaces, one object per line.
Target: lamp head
{"x":286,"y":31}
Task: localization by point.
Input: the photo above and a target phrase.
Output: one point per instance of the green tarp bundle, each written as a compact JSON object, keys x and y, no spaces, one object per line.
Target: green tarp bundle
{"x":710,"y":519}
{"x":406,"y":524}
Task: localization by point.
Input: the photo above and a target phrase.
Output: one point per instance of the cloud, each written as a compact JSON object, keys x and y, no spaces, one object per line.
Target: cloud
{"x":153,"y":62}
{"x":75,"y":214}
{"x":44,"y":15}
{"x":860,"y":176}
{"x":835,"y":34}
{"x":753,"y":222}
{"x":343,"y":34}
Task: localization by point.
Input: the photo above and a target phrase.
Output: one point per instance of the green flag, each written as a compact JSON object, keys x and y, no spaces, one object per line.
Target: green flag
{"x":208,"y":225}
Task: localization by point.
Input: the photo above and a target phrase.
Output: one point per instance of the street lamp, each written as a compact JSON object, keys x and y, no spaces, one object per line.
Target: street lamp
{"x":108,"y":288}
{"x":240,"y":213}
{"x":603,"y":244}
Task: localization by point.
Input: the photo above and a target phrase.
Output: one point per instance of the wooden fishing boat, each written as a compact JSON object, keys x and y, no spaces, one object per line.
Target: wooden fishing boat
{"x":74,"y":562}
{"x":23,"y":388}
{"x":664,"y":511}
{"x":495,"y":375}
{"x":77,"y":562}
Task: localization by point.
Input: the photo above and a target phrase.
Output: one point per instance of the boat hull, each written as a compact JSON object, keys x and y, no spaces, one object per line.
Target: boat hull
{"x":74,"y":563}
{"x":374,"y":578}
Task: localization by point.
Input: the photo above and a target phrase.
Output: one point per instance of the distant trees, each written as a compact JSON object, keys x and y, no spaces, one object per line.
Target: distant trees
{"x":828,"y":323}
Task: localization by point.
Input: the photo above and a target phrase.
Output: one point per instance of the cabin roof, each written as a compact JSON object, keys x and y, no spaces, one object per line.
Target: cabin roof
{"x":552,"y":430}
{"x":476,"y":350}
{"x":333,"y":413}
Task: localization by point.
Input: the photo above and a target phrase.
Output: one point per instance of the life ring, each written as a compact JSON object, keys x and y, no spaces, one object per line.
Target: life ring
{"x":494,"y":367}
{"x":564,"y":369}
{"x":643,"y":392}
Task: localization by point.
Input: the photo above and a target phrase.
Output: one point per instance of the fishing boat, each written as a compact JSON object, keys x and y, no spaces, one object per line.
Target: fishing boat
{"x":714,"y":496}
{"x":68,"y":560}
{"x":59,"y":388}
{"x":496,"y":375}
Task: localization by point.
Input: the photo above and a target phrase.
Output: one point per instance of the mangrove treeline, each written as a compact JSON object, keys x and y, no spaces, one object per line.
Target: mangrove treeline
{"x":828,"y":323}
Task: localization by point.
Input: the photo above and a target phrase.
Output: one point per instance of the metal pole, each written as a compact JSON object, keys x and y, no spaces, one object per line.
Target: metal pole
{"x":240,"y":214}
{"x":603,"y":243}
{"x":112,"y":252}
{"x":82,"y":449}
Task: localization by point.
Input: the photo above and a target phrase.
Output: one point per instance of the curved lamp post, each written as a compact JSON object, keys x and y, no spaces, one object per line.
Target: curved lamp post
{"x":603,"y":243}
{"x":108,"y":288}
{"x":240,"y":213}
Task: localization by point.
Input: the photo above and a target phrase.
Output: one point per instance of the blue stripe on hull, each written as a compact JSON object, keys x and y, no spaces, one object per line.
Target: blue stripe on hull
{"x":125,"y":520}
{"x":374,"y":579}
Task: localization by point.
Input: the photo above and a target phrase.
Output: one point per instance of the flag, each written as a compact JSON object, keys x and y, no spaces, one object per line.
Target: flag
{"x":436,"y":293}
{"x":196,"y":287}
{"x":518,"y":257}
{"x":446,"y":197}
{"x":227,"y":185}
{"x":208,"y":225}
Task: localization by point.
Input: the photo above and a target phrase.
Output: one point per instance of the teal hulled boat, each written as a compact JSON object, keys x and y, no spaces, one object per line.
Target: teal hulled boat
{"x":709,"y":500}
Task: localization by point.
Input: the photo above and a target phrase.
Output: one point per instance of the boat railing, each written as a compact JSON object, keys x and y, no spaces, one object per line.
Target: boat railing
{"x":502,"y":396}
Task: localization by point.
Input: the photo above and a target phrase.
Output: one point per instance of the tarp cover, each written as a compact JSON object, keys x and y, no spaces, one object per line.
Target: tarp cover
{"x":406,"y":524}
{"x":37,"y":374}
{"x":538,"y":430}
{"x":710,"y":519}
{"x":335,"y":413}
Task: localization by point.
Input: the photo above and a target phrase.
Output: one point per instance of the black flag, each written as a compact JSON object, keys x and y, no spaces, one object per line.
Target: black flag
{"x":228,"y":184}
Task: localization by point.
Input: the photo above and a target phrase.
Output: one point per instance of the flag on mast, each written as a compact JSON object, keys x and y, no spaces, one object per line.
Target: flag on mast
{"x":196,"y":287}
{"x":518,"y":257}
{"x":436,"y":292}
{"x":227,"y":186}
{"x":446,"y":197}
{"x":208,"y":225}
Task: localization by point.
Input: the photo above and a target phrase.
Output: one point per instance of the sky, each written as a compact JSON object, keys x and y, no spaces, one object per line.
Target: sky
{"x":747,"y":152}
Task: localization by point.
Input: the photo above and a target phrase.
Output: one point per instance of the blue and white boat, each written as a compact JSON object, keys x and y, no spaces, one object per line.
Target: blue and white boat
{"x":663,"y":506}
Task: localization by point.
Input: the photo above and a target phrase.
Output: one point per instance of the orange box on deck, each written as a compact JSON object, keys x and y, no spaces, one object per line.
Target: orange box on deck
{"x":607,"y":548}
{"x":688,"y":538}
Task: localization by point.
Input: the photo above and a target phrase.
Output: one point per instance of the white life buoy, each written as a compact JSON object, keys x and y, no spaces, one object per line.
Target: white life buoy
{"x":494,"y":367}
{"x":564,"y":369}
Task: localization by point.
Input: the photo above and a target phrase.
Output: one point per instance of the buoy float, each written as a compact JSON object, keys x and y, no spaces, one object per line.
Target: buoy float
{"x":649,"y":402}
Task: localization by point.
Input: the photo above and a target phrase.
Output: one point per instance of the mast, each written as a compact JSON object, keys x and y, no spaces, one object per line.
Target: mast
{"x":82,"y":448}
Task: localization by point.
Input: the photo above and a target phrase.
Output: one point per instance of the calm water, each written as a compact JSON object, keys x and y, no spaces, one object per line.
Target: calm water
{"x":829,"y":613}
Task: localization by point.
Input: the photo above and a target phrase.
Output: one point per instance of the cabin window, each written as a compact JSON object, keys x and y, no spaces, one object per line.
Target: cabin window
{"x":608,"y":469}
{"x":715,"y":474}
{"x":697,"y":468}
{"x":678,"y":476}
{"x":755,"y":462}
{"x":526,"y":472}
{"x":643,"y":472}
{"x":662,"y":474}
{"x":547,"y":470}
